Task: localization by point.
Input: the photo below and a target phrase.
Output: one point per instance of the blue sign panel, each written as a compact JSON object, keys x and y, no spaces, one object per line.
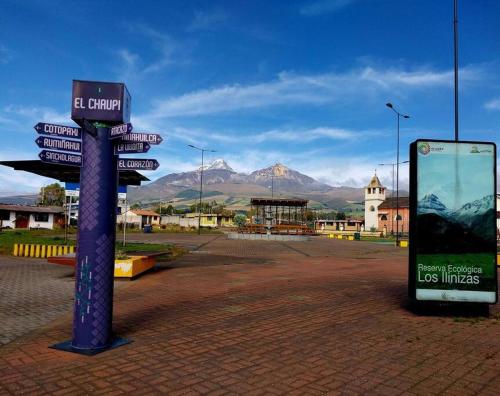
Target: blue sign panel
{"x":74,"y":146}
{"x":138,"y":163}
{"x":56,"y":157}
{"x":151,"y":138}
{"x":100,"y":101}
{"x":132,"y":147}
{"x":58,"y":130}
{"x":120,"y":130}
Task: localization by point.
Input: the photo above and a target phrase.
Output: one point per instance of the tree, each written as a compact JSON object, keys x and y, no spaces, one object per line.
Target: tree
{"x":340,"y":216}
{"x":240,"y":220}
{"x":52,"y":195}
{"x":135,"y":206}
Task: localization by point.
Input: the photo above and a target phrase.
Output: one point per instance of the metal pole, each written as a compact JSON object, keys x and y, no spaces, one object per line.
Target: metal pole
{"x":397,"y":189}
{"x":67,"y":215}
{"x":455,"y":43}
{"x":201,"y":189}
{"x":392,"y":217}
{"x":125,"y":224}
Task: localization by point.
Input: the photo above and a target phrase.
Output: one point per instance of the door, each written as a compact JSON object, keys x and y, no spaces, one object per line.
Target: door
{"x":22,"y":220}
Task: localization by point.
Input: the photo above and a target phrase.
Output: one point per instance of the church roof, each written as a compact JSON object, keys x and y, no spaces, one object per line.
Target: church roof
{"x":391,"y":203}
{"x":374,"y":182}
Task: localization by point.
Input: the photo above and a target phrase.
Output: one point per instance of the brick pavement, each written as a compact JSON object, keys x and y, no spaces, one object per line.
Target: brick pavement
{"x":246,"y":317}
{"x":32,"y":294}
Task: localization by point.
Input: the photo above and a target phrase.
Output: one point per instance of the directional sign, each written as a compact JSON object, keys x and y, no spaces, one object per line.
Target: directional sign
{"x":75,"y":146}
{"x":120,"y":130}
{"x":58,"y":130}
{"x":55,"y":157}
{"x":132,"y":147}
{"x":137,"y":163}
{"x":151,"y":138}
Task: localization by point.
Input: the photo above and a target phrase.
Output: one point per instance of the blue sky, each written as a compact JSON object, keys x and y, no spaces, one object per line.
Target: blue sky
{"x":303,"y":83}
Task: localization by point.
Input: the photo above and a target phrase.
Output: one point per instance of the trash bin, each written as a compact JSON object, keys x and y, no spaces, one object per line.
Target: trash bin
{"x":148,"y":229}
{"x":357,"y":236}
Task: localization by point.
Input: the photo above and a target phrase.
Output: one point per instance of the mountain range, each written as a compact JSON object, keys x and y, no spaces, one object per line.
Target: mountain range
{"x":223,"y":184}
{"x":467,"y":229}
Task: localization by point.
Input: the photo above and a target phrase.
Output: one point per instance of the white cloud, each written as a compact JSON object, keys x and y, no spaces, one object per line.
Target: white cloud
{"x":293,"y":89}
{"x":321,"y":7}
{"x":38,"y":114}
{"x":493,"y":104}
{"x":5,"y":54}
{"x":207,"y":20}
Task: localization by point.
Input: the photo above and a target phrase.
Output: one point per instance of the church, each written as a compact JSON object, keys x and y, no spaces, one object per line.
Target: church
{"x":381,"y":212}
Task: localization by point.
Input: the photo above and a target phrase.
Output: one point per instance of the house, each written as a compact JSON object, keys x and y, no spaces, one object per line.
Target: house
{"x":24,"y":216}
{"x":146,"y":216}
{"x":327,"y":226}
{"x":208,"y":220}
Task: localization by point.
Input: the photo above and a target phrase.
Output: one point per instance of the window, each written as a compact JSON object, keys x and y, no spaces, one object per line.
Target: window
{"x":209,"y":218}
{"x":372,"y":208}
{"x":398,"y":217}
{"x":4,"y":215}
{"x":44,"y":217}
{"x":383,"y":217}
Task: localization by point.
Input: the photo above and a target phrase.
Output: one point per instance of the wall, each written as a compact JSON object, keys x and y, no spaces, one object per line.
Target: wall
{"x":404,"y":223}
{"x":41,"y":224}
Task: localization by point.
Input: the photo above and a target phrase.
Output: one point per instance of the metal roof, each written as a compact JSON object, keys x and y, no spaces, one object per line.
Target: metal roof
{"x":71,"y":174}
{"x":278,"y":202}
{"x":32,"y":209}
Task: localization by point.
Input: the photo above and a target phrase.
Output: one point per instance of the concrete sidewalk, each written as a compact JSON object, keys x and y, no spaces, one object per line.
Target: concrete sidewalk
{"x":249,"y":317}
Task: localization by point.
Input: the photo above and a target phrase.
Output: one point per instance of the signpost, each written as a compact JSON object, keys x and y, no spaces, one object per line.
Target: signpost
{"x":151,"y":138}
{"x":100,"y":101}
{"x":58,"y":130}
{"x":56,"y":157}
{"x":131,"y":148}
{"x":120,"y":130}
{"x":73,"y":146}
{"x":102,"y":110}
{"x":453,"y":251}
{"x":138,"y":164}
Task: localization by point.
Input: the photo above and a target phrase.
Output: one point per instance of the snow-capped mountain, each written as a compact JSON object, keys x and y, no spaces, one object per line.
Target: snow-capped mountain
{"x":218,"y":164}
{"x":430,"y":203}
{"x":473,"y":209}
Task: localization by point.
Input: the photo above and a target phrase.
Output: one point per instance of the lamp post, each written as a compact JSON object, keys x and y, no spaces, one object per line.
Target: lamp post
{"x":399,"y":115}
{"x":392,"y":194}
{"x":201,"y":180}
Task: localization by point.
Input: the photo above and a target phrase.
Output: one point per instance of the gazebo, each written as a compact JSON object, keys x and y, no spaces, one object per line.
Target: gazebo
{"x":278,"y":216}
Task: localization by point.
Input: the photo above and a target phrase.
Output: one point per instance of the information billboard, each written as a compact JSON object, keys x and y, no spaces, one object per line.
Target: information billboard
{"x":453,"y":249}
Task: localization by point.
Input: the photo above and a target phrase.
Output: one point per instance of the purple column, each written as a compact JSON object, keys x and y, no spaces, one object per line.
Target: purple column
{"x":92,"y":323}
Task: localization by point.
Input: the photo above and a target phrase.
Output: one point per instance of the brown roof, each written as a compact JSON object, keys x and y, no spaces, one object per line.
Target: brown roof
{"x":390,"y":203}
{"x":141,"y":212}
{"x":32,"y":209}
{"x":374,"y":182}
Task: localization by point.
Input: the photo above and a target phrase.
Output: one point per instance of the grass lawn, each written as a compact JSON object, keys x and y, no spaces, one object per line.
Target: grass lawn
{"x":43,"y":237}
{"x":56,"y":237}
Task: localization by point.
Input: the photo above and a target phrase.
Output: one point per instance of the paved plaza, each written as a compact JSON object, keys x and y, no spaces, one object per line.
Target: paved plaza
{"x":250,"y":318}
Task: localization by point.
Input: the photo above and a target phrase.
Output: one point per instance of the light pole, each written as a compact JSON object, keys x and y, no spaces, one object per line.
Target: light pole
{"x":201,"y":180}
{"x":399,"y":115}
{"x":392,"y":194}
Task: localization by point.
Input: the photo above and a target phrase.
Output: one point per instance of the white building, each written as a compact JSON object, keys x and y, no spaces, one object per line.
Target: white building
{"x":374,"y":196}
{"x":24,"y":216}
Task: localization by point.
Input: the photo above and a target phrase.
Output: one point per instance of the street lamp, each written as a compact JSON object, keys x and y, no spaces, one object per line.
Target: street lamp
{"x":201,"y":180}
{"x":399,"y":115}
{"x":392,"y":193}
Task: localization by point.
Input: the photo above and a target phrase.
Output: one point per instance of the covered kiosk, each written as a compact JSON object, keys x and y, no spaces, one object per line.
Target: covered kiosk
{"x":279,"y":216}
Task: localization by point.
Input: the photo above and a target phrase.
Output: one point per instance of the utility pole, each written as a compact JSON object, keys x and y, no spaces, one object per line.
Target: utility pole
{"x":201,"y":180}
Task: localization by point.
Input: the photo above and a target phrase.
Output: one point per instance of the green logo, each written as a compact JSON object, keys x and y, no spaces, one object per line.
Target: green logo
{"x":424,"y":148}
